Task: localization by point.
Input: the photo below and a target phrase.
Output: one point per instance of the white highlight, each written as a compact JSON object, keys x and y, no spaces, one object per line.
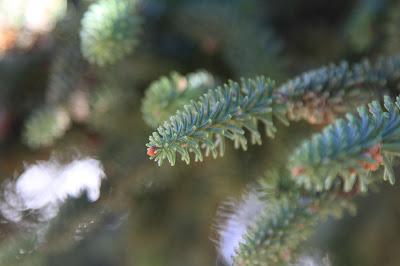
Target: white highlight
{"x":44,"y":186}
{"x":313,"y":259}
{"x":41,"y":15}
{"x":234,"y":220}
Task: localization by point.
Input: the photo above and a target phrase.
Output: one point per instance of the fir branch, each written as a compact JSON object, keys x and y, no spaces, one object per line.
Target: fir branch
{"x":276,"y":235}
{"x":110,"y":30}
{"x":46,"y":125}
{"x":320,"y":95}
{"x":220,"y":113}
{"x":350,"y":149}
{"x":169,"y":94}
{"x":276,"y":232}
{"x":266,"y":232}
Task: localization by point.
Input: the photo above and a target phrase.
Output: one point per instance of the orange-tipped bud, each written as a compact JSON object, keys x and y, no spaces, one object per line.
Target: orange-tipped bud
{"x":352,"y":171}
{"x":298,"y":171}
{"x":151,"y":151}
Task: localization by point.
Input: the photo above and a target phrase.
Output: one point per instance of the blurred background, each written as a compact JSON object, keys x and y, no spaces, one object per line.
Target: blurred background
{"x":77,"y":187}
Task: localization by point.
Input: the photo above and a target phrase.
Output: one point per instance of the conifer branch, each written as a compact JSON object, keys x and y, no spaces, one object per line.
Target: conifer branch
{"x":326,"y":172}
{"x":286,"y":222}
{"x":351,"y":150}
{"x":319,"y":96}
{"x":46,"y":125}
{"x":275,"y":226}
{"x":284,"y":218}
{"x":110,"y":30}
{"x":220,"y":113}
{"x":169,"y":94}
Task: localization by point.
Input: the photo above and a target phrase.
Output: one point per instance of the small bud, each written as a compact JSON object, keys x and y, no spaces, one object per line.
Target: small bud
{"x":151,"y":151}
{"x":296,"y":171}
{"x":352,"y":171}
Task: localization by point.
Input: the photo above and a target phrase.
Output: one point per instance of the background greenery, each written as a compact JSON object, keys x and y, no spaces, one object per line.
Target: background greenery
{"x":150,"y":215}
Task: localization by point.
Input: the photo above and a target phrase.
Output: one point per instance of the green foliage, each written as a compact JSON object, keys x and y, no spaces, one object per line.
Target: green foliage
{"x":169,"y":94}
{"x":328,"y":170}
{"x":350,"y":150}
{"x":220,"y":113}
{"x":65,"y":73}
{"x":359,"y":28}
{"x":235,"y":39}
{"x":49,"y":122}
{"x":46,"y":125}
{"x":392,"y":45}
{"x":270,"y":239}
{"x":219,"y":28}
{"x":287,"y":220}
{"x":105,"y":103}
{"x":109,"y":31}
{"x":20,"y":251}
{"x":320,"y":95}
